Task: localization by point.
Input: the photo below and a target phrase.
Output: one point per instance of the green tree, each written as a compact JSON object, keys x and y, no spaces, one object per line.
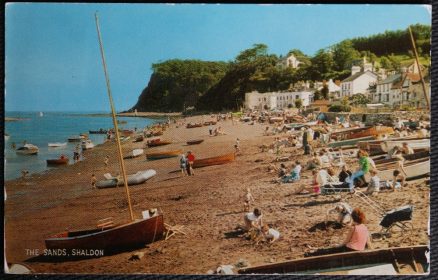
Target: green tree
{"x":253,"y":53}
{"x":343,"y":55}
{"x":298,"y":103}
{"x":322,"y":63}
{"x":325,"y":92}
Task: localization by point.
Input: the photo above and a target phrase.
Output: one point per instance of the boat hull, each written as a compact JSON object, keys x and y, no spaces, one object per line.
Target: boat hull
{"x":133,"y":179}
{"x":161,"y":155}
{"x":158,"y":143}
{"x":349,"y":142}
{"x":195,"y":142}
{"x":413,"y":169}
{"x":343,"y":262}
{"x":214,"y":160}
{"x":57,"y":161}
{"x":414,"y":144}
{"x":120,"y":238}
{"x":57,"y":145}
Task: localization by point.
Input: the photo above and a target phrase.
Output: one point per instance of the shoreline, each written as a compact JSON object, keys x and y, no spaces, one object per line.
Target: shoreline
{"x":209,"y":205}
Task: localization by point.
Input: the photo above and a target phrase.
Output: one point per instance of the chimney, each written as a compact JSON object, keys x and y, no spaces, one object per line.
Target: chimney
{"x":368,"y":67}
{"x":354,"y":70}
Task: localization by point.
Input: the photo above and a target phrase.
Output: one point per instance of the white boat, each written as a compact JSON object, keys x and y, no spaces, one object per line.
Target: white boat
{"x":414,"y":144}
{"x":135,"y":153}
{"x":57,"y":145}
{"x":41,"y":114}
{"x":133,"y":179}
{"x":414,"y":168}
{"x":7,"y":137}
{"x":87,"y":144}
{"x":27,"y":149}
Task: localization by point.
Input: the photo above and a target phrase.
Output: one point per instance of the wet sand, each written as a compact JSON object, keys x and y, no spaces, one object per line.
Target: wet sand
{"x":209,"y":205}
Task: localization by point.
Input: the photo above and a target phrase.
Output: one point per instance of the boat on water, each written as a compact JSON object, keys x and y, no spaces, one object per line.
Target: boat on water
{"x":195,"y":142}
{"x":161,"y":155}
{"x":214,"y":160}
{"x":134,"y":153}
{"x":100,"y":131}
{"x":133,"y":179}
{"x":41,"y":114}
{"x":423,"y":143}
{"x":158,"y":143}
{"x":349,"y":142}
{"x":7,"y":137}
{"x":27,"y":149}
{"x":75,"y":138}
{"x":414,"y":169}
{"x":87,"y":144}
{"x":58,"y":161}
{"x":387,"y":261}
{"x":57,"y":145}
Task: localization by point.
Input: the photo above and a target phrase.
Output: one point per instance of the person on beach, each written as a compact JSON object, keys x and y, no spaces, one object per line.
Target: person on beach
{"x":183,"y":165}
{"x":77,"y":153}
{"x":210,"y":129}
{"x":24,"y":173}
{"x":344,"y":174}
{"x":343,"y":211}
{"x":270,"y":234}
{"x":93,"y":181}
{"x":364,"y":168}
{"x":248,"y":200}
{"x":13,"y":146}
{"x":357,"y":239}
{"x":374,"y":185}
{"x":294,"y":174}
{"x":190,"y":161}
{"x":106,"y":161}
{"x":406,"y":150}
{"x":398,"y":180}
{"x":253,"y":220}
{"x":237,"y":146}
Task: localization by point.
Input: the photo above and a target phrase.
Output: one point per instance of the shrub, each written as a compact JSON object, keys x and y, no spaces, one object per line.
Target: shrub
{"x":339,"y":108}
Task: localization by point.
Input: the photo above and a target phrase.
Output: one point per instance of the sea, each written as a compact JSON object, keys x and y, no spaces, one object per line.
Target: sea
{"x":41,"y":128}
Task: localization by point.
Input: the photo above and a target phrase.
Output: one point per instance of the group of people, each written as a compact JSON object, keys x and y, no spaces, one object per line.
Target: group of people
{"x":186,"y":164}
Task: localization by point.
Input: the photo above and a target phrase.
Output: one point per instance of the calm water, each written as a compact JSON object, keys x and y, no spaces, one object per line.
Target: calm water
{"x":54,"y":127}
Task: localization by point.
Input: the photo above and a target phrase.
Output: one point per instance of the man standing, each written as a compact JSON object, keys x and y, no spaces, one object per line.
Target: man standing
{"x":190,"y":160}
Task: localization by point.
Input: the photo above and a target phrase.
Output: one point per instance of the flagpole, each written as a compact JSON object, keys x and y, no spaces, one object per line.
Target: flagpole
{"x":113,"y":113}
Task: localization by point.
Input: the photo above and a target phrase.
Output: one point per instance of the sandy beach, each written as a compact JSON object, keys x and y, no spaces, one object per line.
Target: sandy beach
{"x":209,"y":205}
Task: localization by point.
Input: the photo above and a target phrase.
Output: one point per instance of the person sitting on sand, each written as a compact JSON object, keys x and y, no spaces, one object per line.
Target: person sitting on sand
{"x":398,"y":180}
{"x":294,"y":174}
{"x":343,"y":210}
{"x":248,"y":199}
{"x":270,"y":234}
{"x":237,"y":146}
{"x":93,"y":181}
{"x":357,"y":239}
{"x":374,"y":185}
{"x":344,"y":174}
{"x":364,"y":168}
{"x":253,"y":220}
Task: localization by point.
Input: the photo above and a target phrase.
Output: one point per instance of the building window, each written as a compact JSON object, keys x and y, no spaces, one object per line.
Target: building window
{"x":297,"y":96}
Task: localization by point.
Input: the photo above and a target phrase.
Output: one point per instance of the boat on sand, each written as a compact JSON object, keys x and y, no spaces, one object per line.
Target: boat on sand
{"x":134,"y":179}
{"x":58,"y":161}
{"x":134,"y":153}
{"x":158,"y":143}
{"x":195,"y":142}
{"x":214,"y":160}
{"x":387,"y":261}
{"x":164,"y":154}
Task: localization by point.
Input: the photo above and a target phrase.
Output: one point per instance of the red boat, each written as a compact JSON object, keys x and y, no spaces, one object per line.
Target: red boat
{"x":62,"y":160}
{"x":111,"y":239}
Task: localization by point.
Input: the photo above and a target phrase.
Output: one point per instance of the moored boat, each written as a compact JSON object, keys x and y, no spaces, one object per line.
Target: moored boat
{"x":165,"y":154}
{"x":414,"y":144}
{"x":158,"y":143}
{"x":27,"y":149}
{"x":387,"y":261}
{"x":134,"y":153}
{"x":59,"y":161}
{"x":114,"y":238}
{"x":414,"y":169}
{"x":6,"y":137}
{"x":133,"y":179}
{"x":100,"y":131}
{"x":138,"y":138}
{"x":214,"y":160}
{"x":75,"y":138}
{"x":195,"y":142}
{"x":87,"y":144}
{"x":57,"y":145}
{"x":348,"y":142}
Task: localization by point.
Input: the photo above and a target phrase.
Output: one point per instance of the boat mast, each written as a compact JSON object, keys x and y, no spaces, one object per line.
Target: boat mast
{"x":119,"y":146}
{"x":419,"y":69}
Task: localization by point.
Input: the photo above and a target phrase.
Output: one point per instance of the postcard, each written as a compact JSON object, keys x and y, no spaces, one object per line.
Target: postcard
{"x":217,"y":139}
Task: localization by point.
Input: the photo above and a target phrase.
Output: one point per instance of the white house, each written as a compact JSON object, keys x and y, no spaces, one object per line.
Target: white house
{"x":359,"y":81}
{"x":332,"y":87}
{"x":276,"y":100}
{"x":389,"y":91}
{"x":290,"y":61}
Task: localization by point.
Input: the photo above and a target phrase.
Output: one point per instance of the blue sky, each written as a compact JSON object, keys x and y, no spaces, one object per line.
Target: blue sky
{"x":53,"y":61}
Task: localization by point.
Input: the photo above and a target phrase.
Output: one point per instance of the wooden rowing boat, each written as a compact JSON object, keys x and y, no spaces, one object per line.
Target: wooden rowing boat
{"x":373,"y":131}
{"x":422,"y":143}
{"x":195,"y":142}
{"x":158,"y":143}
{"x":344,"y":134}
{"x":397,"y":260}
{"x":138,"y":138}
{"x":120,"y":238}
{"x":381,"y":159}
{"x":214,"y":160}
{"x":348,"y":142}
{"x":414,"y":169}
{"x":134,"y":153}
{"x":58,"y":161}
{"x":191,"y":125}
{"x":165,"y":154}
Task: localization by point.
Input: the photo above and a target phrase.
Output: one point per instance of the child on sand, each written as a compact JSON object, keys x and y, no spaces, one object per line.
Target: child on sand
{"x":270,"y":234}
{"x":248,"y":199}
{"x":253,"y":219}
{"x":93,"y":181}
